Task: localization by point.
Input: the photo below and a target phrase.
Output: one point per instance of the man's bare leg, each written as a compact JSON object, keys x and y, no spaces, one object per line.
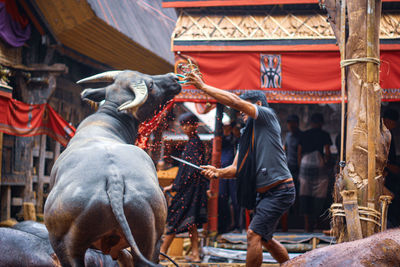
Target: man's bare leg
{"x":277,"y":250}
{"x":165,"y":244}
{"x":254,"y":249}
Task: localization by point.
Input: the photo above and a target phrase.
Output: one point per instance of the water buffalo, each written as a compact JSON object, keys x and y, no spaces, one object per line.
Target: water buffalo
{"x":105,"y":193}
{"x":27,"y":244}
{"x":18,"y":248}
{"x":381,"y":250}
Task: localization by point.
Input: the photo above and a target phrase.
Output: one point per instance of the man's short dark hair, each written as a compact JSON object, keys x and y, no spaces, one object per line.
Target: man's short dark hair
{"x":391,"y":114}
{"x":253,"y":96}
{"x":317,"y":118}
{"x":293,"y":118}
{"x":188,"y":118}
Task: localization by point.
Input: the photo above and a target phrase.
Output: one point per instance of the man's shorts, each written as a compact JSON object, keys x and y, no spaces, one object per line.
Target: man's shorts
{"x":270,"y":207}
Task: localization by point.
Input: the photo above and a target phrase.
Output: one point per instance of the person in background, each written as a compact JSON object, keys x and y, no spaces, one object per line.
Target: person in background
{"x":188,"y":208}
{"x":228,"y":210}
{"x":314,"y":156}
{"x":392,"y":179}
{"x":260,"y":169}
{"x":291,"y":147}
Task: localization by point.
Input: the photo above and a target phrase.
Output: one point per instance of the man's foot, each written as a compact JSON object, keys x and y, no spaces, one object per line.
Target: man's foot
{"x":195,"y":259}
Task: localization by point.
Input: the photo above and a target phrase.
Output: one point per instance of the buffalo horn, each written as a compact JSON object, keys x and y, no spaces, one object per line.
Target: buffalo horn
{"x":141,"y":93}
{"x":107,"y":76}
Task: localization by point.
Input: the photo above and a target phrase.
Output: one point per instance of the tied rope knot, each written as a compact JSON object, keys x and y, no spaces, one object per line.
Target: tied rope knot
{"x":347,"y":62}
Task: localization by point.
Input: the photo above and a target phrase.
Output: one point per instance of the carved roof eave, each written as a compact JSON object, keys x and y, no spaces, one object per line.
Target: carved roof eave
{"x":209,"y":28}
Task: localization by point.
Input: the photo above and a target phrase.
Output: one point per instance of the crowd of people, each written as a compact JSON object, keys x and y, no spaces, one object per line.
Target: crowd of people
{"x":273,"y":179}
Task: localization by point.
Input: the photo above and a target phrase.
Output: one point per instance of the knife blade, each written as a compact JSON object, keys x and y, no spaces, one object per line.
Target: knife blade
{"x":190,"y":164}
{"x":187,"y":163}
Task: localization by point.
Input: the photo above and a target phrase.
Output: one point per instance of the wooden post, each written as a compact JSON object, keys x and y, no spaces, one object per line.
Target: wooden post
{"x":6,"y":203}
{"x":215,"y":161}
{"x":28,"y":191}
{"x":56,"y":151}
{"x":28,"y":210}
{"x":42,"y":161}
{"x":350,"y":207}
{"x":367,"y":143}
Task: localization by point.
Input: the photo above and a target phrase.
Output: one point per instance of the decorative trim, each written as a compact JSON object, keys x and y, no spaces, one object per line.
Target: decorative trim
{"x":236,"y":46}
{"x":210,"y":3}
{"x":277,"y":27}
{"x":287,"y":96}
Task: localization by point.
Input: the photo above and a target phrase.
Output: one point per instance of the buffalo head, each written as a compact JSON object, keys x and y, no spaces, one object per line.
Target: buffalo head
{"x":130,"y":90}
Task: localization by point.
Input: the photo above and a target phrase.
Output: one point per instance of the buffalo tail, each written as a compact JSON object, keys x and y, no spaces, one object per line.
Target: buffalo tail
{"x":115,"y":191}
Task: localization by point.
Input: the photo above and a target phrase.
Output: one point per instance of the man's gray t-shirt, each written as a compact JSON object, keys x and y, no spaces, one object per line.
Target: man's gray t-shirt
{"x":271,"y":164}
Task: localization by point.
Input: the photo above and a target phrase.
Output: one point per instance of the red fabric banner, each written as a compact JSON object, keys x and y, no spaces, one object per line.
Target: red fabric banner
{"x":18,"y":118}
{"x":286,"y":77}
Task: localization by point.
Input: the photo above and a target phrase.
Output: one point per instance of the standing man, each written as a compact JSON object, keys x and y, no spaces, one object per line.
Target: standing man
{"x":228,"y":212}
{"x":314,"y":174}
{"x":392,"y":179}
{"x":267,"y":172}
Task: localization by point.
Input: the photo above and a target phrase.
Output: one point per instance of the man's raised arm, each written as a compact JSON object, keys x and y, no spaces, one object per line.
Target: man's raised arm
{"x":223,"y":97}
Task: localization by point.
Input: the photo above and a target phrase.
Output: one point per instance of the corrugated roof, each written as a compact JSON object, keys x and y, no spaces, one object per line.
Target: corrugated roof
{"x":109,"y":38}
{"x":144,"y":21}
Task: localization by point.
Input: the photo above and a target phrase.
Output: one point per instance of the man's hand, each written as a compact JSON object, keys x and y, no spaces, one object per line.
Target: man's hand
{"x":210,"y":172}
{"x":194,"y":79}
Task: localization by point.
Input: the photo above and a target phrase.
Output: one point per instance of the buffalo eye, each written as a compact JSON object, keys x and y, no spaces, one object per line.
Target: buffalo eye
{"x":150,"y":86}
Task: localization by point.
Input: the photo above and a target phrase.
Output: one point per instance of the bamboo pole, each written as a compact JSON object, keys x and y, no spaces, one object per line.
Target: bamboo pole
{"x":371,"y":112}
{"x":40,"y":175}
{"x":385,"y":201}
{"x":343,"y":74}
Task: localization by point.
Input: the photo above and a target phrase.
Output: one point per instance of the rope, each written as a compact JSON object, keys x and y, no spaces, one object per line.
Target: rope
{"x":171,"y":260}
{"x":347,"y":62}
{"x":365,"y":213}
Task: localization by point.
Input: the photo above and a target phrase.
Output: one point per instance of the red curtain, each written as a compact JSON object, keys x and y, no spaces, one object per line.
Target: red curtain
{"x":18,"y":118}
{"x":304,"y":77}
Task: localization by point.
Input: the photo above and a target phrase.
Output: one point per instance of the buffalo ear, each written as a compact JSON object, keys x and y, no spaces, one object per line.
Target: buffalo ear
{"x":96,"y":95}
